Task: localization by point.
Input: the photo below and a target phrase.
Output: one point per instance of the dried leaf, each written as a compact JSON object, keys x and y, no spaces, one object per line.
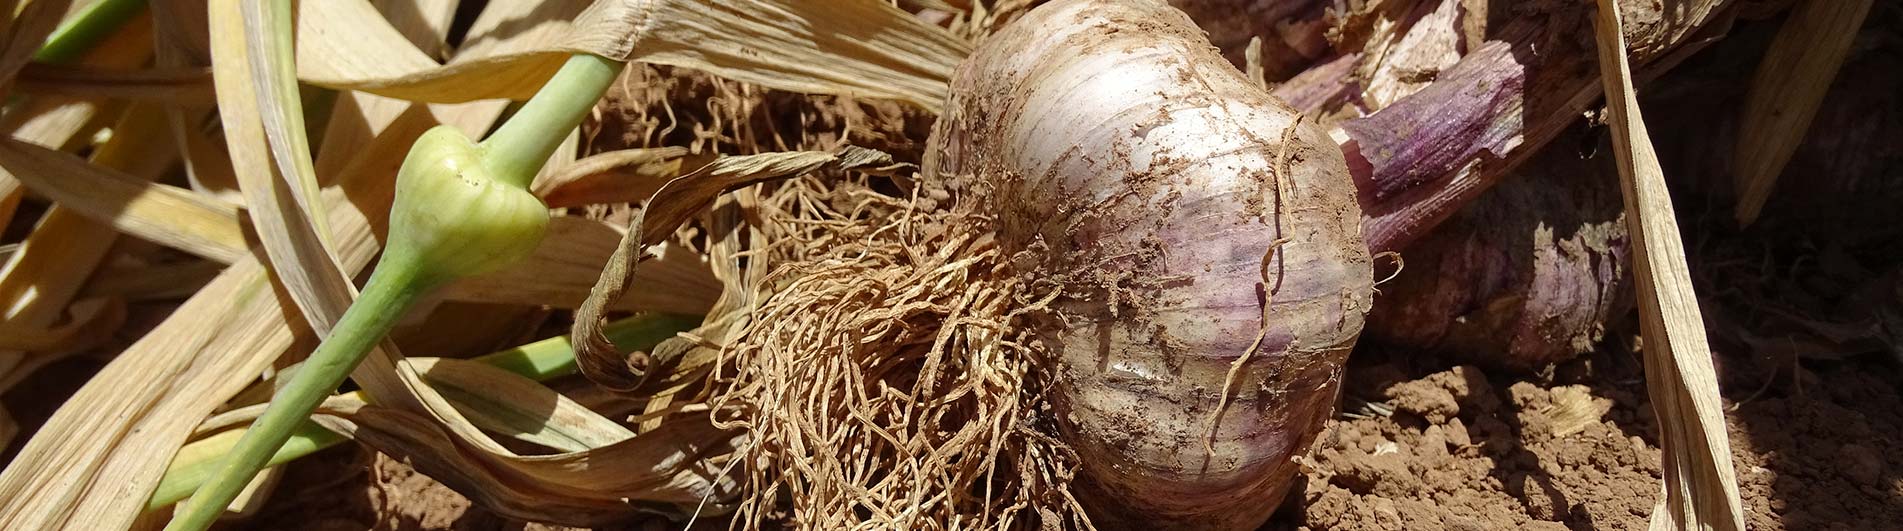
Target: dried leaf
{"x":170,"y":216}
{"x":90,"y":320}
{"x":865,"y":48}
{"x":158,"y":282}
{"x":570,"y":258}
{"x":518,"y":407}
{"x":424,"y":22}
{"x":185,"y":86}
{"x":671,"y":206}
{"x":1785,"y":92}
{"x":42,"y":276}
{"x":29,"y":28}
{"x":542,"y":360}
{"x":159,"y":388}
{"x":621,"y":176}
{"x":126,"y":422}
{"x":666,"y":470}
{"x":667,"y":479}
{"x":1574,"y":409}
{"x":1701,"y":490}
{"x":1411,"y":51}
{"x":263,"y":123}
{"x":57,"y":122}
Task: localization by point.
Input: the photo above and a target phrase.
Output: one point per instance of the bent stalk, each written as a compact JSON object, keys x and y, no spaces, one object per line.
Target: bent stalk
{"x":461,"y":209}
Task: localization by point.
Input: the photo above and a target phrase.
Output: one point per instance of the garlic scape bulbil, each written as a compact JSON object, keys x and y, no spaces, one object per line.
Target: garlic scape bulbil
{"x":454,"y":217}
{"x":461,"y":209}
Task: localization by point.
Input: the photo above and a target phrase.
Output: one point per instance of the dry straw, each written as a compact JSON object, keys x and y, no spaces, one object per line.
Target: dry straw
{"x":1785,"y":92}
{"x":1701,"y":490}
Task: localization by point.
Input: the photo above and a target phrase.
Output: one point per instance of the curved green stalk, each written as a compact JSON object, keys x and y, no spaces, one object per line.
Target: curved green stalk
{"x":541,"y":361}
{"x":461,"y":209}
{"x":389,"y":292}
{"x":183,"y":480}
{"x":516,"y":151}
{"x":85,"y":29}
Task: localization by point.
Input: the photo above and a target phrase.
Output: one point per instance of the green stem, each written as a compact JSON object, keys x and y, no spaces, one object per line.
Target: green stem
{"x":390,"y":291}
{"x":427,"y":248}
{"x":85,"y":29}
{"x":192,"y":472}
{"x":542,"y":361}
{"x":517,"y":150}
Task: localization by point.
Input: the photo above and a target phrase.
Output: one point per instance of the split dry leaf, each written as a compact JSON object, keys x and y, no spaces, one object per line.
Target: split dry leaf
{"x":670,"y":206}
{"x":864,"y":48}
{"x":679,"y":365}
{"x":1789,"y":85}
{"x":1701,"y":490}
{"x":621,"y":176}
{"x":191,"y":86}
{"x":570,"y":258}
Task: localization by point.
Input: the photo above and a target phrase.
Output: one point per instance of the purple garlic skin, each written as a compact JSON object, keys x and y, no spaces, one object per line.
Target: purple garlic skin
{"x":1170,"y":199}
{"x":1531,"y":273}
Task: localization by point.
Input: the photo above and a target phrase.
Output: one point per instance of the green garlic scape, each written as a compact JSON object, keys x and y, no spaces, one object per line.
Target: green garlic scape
{"x":461,"y":209}
{"x":453,"y":218}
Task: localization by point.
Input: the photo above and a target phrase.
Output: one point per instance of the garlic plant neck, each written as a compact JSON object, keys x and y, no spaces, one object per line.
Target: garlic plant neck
{"x":517,"y":150}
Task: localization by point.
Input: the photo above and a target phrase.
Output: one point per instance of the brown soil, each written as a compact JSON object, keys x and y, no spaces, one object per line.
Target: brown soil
{"x":1463,"y":449}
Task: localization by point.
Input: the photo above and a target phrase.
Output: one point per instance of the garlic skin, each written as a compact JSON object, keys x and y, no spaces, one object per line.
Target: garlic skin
{"x":1140,"y":171}
{"x":452,"y":218}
